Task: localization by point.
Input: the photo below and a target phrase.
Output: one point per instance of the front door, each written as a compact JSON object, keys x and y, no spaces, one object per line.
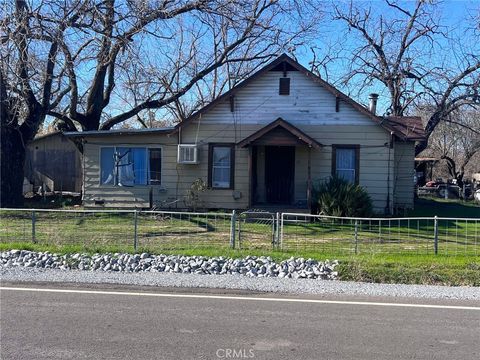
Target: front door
{"x":279,"y":174}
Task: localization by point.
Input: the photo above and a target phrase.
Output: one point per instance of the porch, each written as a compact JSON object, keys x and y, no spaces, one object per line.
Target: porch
{"x":280,"y":167}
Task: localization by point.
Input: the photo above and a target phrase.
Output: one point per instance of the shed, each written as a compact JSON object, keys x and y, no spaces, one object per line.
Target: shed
{"x":55,"y":161}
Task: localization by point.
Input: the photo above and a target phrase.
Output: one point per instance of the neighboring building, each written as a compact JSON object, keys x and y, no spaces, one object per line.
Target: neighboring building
{"x":54,"y":162}
{"x":424,"y":169}
{"x":265,"y":142}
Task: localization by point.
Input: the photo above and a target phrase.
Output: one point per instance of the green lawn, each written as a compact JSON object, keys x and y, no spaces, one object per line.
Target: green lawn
{"x":115,"y":229}
{"x":390,"y":251}
{"x":177,"y":232}
{"x":380,"y":268}
{"x":415,"y":236}
{"x":445,"y":208}
{"x":412,"y":269}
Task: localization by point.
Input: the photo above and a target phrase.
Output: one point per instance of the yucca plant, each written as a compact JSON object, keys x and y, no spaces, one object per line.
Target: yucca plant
{"x":337,"y":197}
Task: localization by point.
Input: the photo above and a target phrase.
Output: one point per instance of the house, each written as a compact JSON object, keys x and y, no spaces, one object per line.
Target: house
{"x":53,"y":162}
{"x":263,"y":143}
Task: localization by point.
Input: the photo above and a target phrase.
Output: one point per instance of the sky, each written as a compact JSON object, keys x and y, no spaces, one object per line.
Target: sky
{"x":453,"y":14}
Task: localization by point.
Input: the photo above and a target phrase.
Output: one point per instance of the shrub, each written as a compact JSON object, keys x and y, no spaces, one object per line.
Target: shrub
{"x":337,"y":197}
{"x":193,"y":199}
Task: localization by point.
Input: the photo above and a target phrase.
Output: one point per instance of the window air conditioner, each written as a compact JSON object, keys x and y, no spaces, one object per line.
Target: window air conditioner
{"x":187,"y":154}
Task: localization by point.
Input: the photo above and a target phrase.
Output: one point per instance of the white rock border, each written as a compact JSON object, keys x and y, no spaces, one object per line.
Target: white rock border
{"x":252,"y":266}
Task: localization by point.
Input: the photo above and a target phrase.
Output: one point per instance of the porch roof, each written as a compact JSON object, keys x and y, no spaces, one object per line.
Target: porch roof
{"x":279,"y":132}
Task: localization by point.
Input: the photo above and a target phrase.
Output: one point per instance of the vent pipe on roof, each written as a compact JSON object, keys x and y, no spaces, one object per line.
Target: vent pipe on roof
{"x":373,"y":103}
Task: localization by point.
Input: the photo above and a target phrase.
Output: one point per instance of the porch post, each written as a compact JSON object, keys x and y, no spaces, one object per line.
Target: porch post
{"x":309,"y":179}
{"x":250,"y":174}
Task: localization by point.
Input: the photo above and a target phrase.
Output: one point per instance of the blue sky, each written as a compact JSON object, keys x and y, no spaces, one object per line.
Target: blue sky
{"x":453,"y":14}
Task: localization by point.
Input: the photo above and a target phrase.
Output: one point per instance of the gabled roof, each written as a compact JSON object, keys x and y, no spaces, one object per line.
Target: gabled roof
{"x":292,"y":64}
{"x":291,"y":130}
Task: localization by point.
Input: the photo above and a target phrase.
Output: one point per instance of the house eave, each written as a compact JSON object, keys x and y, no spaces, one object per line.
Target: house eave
{"x":101,"y":133}
{"x":280,"y":123}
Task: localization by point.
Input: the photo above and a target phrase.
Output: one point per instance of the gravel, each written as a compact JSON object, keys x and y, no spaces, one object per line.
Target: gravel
{"x":238,"y":282}
{"x":234,"y":281}
{"x":251,"y":266}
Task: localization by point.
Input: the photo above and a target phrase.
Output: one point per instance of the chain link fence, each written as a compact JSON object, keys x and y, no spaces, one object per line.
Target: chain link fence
{"x":166,"y":230}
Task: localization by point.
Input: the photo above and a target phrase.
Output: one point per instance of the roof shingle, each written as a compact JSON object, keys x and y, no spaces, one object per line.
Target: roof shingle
{"x":408,"y":127}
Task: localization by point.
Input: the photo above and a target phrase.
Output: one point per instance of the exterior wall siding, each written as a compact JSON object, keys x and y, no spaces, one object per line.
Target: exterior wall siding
{"x":374,"y":161}
{"x":309,"y":107}
{"x":259,"y":103}
{"x":129,"y":196}
{"x":404,"y":170}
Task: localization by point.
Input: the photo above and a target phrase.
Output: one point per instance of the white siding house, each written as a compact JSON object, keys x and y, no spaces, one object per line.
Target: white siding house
{"x":265,"y":142}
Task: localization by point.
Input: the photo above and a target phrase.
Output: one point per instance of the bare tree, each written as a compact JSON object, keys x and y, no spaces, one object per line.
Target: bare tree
{"x":190,"y":45}
{"x":94,"y":64}
{"x":29,"y":85}
{"x":403,"y":50}
{"x":456,"y":141}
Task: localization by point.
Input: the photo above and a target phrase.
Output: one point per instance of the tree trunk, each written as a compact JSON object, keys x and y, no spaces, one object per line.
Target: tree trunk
{"x":459,"y":179}
{"x":12,"y":158}
{"x":420,"y":147}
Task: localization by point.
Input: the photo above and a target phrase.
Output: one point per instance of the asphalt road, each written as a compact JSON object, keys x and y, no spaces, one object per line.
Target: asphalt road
{"x":176,"y":324}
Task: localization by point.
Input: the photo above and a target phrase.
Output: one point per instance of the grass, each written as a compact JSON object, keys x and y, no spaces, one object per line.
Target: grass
{"x":408,"y":269}
{"x":384,"y":236}
{"x":398,"y":268}
{"x":445,"y":208}
{"x":182,"y":232}
{"x":388,"y":251}
{"x":105,"y":229}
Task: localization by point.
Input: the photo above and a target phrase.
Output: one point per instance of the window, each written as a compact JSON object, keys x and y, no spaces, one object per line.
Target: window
{"x":284,"y":86}
{"x":106,"y":166}
{"x":129,"y":166}
{"x":155,"y":162}
{"x":345,"y":162}
{"x":221,"y":166}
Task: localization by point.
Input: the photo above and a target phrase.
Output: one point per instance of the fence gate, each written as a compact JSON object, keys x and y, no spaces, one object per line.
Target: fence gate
{"x":257,"y":230}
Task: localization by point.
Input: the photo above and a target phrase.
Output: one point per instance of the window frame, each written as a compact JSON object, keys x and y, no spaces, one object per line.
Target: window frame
{"x":284,"y":86}
{"x":149,"y":148}
{"x":211,"y":147}
{"x":147,"y":151}
{"x":356,"y":147}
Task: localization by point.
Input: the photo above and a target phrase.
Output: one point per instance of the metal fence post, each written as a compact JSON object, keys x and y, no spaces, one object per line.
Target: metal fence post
{"x":239,"y":242}
{"x":34,"y":220}
{"x":232,"y":229}
{"x":281,"y":232}
{"x":135,"y":238}
{"x":277,"y":229}
{"x":435,"y":235}
{"x":356,"y":237}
